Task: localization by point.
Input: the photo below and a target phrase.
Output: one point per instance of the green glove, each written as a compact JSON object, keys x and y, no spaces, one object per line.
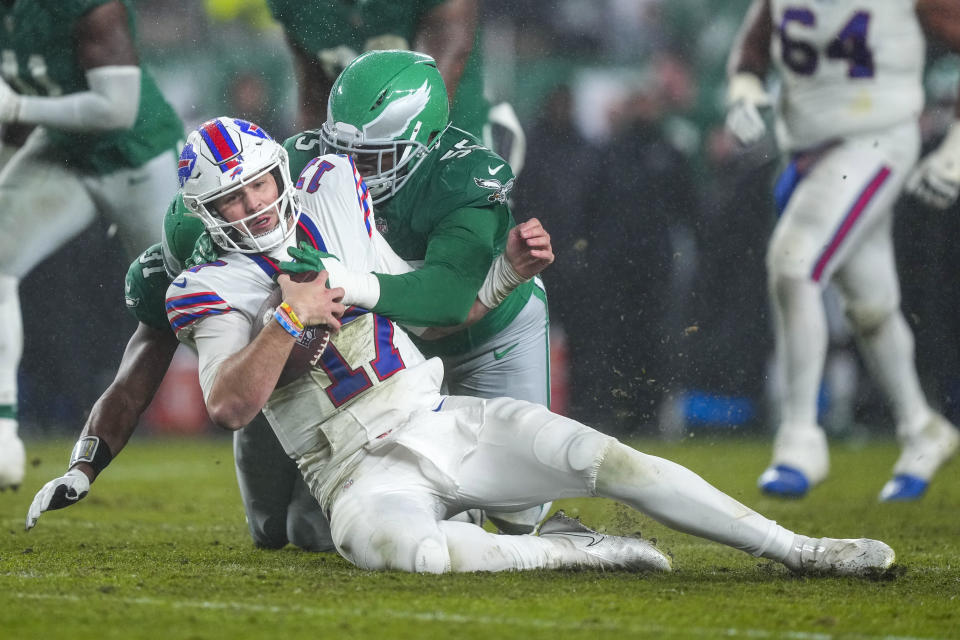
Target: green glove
{"x":307,"y":259}
{"x":361,"y":289}
{"x":204,"y":251}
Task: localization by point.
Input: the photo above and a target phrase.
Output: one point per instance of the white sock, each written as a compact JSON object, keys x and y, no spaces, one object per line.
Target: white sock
{"x":684,"y":501}
{"x":801,"y":334}
{"x":889,"y":353}
{"x":472,"y":548}
{"x":11,"y":339}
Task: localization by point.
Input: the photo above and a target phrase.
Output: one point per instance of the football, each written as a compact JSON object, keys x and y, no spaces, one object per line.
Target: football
{"x":306,"y":353}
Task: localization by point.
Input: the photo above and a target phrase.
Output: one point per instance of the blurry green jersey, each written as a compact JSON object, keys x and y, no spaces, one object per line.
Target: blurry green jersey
{"x":452,"y":214}
{"x":39,"y":57}
{"x":336,"y":31}
{"x":145,"y":289}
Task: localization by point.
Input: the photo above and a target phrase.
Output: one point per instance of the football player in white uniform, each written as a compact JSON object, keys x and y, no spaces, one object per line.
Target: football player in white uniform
{"x":387,"y":456}
{"x":846,"y":118}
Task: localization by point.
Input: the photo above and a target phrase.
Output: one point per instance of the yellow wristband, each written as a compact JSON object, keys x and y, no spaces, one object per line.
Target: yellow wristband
{"x":293,"y":316}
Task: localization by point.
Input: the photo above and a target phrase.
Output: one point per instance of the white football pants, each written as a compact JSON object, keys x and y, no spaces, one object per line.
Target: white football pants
{"x":389,"y":511}
{"x":837,"y":226}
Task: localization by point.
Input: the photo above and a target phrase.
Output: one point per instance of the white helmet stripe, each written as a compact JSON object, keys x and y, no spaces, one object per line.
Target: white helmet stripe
{"x":398,"y":115}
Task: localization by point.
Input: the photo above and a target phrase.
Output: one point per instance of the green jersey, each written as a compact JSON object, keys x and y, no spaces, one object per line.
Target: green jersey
{"x":39,"y":57}
{"x":335,"y":32}
{"x":452,"y":215}
{"x":150,"y":274}
{"x":146,"y":289}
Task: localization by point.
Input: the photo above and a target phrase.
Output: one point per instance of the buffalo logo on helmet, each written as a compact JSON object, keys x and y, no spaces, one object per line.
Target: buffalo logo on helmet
{"x":188,"y":158}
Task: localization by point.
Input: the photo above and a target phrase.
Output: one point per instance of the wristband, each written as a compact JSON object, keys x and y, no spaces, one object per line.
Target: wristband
{"x":281,"y":317}
{"x":93,"y":451}
{"x":294,"y":320}
{"x":500,"y":282}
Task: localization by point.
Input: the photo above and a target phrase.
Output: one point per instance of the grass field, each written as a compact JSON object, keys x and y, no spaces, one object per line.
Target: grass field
{"x":159,"y":549}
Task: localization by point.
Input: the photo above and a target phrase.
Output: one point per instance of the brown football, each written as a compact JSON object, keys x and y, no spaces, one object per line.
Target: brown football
{"x":306,"y":353}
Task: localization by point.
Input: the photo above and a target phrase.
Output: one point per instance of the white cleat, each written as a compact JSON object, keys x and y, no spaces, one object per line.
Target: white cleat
{"x":13,"y":457}
{"x":843,"y":557}
{"x":921,"y":456}
{"x":605,"y":551}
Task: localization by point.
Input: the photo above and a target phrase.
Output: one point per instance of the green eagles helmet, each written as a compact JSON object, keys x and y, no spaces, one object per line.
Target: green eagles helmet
{"x":388,"y":110}
{"x":180,"y":232}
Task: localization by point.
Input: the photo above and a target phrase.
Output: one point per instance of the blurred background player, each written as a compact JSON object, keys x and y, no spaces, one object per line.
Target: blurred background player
{"x":441,"y":198}
{"x":847,"y":121}
{"x":104,"y":140}
{"x":326,"y":35}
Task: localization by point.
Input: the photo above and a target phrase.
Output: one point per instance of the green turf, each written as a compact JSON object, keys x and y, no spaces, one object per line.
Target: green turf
{"x":159,"y":549}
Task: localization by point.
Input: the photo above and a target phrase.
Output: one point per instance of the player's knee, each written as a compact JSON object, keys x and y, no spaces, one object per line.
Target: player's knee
{"x":393,"y":545}
{"x":272,"y":536}
{"x":623,"y":466}
{"x":309,"y":531}
{"x":867,"y":316}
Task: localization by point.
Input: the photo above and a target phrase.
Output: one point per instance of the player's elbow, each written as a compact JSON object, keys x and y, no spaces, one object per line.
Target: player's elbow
{"x":229,"y":413}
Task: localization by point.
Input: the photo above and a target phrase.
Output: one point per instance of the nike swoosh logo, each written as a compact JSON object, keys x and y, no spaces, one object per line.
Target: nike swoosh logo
{"x":494,"y":170}
{"x":500,"y":355}
{"x":594,"y":539}
{"x":180,"y":282}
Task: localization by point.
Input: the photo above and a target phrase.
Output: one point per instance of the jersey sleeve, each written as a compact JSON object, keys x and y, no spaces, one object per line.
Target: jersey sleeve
{"x":191,"y":298}
{"x":215,"y":338}
{"x":301,"y":148}
{"x":146,"y":288}
{"x":441,"y":292}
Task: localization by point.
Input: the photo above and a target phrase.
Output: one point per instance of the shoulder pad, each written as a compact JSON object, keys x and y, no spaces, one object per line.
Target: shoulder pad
{"x":469,"y":174}
{"x":145,"y":288}
{"x":302,"y":148}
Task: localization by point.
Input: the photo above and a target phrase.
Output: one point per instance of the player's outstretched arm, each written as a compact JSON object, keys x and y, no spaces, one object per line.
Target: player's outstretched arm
{"x":106,"y":52}
{"x":936,"y":180}
{"x":112,"y":421}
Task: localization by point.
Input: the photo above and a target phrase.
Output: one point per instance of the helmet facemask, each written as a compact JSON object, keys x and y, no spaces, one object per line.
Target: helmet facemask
{"x":237,"y":236}
{"x":385,"y":164}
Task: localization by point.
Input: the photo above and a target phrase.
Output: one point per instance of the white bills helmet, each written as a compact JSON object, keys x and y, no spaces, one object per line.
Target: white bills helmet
{"x":223,"y":155}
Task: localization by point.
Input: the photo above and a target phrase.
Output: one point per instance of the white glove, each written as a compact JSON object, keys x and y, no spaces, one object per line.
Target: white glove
{"x":9,"y":103}
{"x":57,"y":494}
{"x":745,"y":97}
{"x":936,"y":180}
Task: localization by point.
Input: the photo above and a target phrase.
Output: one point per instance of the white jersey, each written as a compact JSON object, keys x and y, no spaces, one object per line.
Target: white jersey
{"x":369,"y":353}
{"x":847,"y":66}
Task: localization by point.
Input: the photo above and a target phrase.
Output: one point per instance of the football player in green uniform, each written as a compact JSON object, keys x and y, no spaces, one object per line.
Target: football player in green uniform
{"x":104,"y":141}
{"x":441,"y":198}
{"x":326,"y":35}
